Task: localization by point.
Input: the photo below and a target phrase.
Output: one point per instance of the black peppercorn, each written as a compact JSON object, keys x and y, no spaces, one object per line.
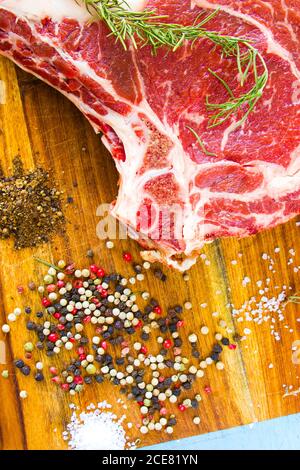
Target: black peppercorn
{"x":30,"y":325}
{"x":120,"y":361}
{"x":195,"y":353}
{"x":215,"y":356}
{"x":25,"y":370}
{"x":187,"y":385}
{"x":172,"y":422}
{"x":225,"y":341}
{"x":99,"y":379}
{"x":19,"y":363}
{"x":39,"y":377}
{"x":217,"y":348}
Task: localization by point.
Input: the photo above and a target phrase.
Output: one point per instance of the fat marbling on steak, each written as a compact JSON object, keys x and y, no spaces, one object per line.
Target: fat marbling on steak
{"x":142,"y":103}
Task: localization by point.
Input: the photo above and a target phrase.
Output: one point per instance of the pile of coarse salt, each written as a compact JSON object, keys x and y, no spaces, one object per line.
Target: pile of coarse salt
{"x":264,"y":309}
{"x":97,"y":429}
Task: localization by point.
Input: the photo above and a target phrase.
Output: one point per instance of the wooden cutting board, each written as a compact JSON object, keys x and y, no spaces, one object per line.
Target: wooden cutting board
{"x":37,"y":123}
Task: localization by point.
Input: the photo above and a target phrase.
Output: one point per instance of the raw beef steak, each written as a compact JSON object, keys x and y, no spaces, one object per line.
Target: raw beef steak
{"x":173,"y":194}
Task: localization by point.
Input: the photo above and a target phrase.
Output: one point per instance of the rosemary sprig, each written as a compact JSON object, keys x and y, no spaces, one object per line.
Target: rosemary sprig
{"x":144,"y":28}
{"x":247,"y":101}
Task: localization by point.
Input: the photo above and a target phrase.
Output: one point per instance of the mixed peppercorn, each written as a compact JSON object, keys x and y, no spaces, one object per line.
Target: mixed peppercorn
{"x":117,"y":350}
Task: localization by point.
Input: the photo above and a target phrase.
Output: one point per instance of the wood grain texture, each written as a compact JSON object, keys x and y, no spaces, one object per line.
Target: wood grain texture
{"x":45,"y":129}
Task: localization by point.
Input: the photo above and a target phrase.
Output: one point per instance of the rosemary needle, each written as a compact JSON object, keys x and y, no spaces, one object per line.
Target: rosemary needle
{"x":200,"y":142}
{"x":144,"y":28}
{"x":45,"y":263}
{"x":295,"y":299}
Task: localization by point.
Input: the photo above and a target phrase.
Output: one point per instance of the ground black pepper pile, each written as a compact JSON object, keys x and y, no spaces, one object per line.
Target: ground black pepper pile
{"x":30,"y":207}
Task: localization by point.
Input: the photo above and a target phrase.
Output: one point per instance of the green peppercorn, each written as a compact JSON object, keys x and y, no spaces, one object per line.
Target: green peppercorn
{"x":29,"y":347}
{"x":91,"y":369}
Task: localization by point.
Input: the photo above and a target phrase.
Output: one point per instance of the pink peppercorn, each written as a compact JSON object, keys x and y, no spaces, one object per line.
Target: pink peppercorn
{"x":127,"y":257}
{"x":20,"y":289}
{"x":181,"y":407}
{"x":100,"y":272}
{"x":103,"y":292}
{"x":70,"y":268}
{"x":157,"y":310}
{"x":232,"y":346}
{"x":56,"y":379}
{"x":46,"y":302}
{"x":144,"y":349}
{"x":77,"y":284}
{"x":78,"y":380}
{"x":208,"y":389}
{"x":51,"y":288}
{"x":53,"y":370}
{"x":167,"y":344}
{"x":163,"y":411}
{"x":60,"y":284}
{"x":94,"y":268}
{"x":53,"y":337}
{"x":65,"y":387}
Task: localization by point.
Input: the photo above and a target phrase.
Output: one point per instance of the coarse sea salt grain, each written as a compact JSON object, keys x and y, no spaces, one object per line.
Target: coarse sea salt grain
{"x":96,"y":430}
{"x":246,"y":281}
